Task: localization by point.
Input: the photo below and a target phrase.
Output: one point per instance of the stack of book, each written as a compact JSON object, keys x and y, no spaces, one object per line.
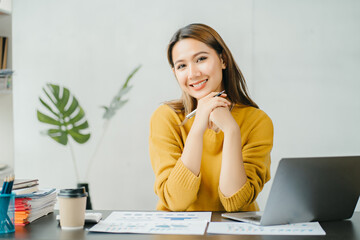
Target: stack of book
{"x":32,"y":203}
{"x":24,"y":186}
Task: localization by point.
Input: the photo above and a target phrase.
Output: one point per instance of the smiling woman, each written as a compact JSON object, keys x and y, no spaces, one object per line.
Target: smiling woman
{"x":221,"y":159}
{"x":195,"y":63}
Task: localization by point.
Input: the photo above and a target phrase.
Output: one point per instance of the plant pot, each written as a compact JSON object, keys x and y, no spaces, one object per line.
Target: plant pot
{"x":88,"y":199}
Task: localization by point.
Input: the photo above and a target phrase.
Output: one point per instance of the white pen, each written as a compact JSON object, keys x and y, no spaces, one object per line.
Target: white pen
{"x":190,"y":115}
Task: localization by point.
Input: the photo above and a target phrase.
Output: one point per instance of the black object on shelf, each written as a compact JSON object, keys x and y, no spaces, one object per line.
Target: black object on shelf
{"x":88,"y":200}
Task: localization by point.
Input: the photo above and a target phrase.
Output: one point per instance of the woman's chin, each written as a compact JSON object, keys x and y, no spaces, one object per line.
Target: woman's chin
{"x":199,"y":94}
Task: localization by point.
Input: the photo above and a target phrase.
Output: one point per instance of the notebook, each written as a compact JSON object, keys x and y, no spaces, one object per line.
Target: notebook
{"x":309,"y":189}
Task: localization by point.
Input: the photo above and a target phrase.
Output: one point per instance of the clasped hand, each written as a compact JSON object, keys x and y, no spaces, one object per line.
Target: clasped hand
{"x":213,"y":112}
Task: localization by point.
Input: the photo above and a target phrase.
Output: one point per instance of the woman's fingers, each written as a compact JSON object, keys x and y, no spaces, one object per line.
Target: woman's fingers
{"x":220,"y":102}
{"x":206,"y":105}
{"x":213,"y":94}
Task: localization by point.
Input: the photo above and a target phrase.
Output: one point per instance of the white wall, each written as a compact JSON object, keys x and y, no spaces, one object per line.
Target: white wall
{"x":298,"y":57}
{"x":306,"y":77}
{"x":91,"y":48}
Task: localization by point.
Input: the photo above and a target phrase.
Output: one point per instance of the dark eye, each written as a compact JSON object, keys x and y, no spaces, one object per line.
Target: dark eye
{"x":180,"y":66}
{"x":201,"y":59}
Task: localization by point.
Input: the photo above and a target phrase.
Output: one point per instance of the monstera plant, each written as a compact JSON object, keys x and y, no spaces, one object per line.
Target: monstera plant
{"x":66,"y":118}
{"x":66,"y":121}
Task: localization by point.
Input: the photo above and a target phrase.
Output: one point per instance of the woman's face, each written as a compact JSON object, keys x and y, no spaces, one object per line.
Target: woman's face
{"x":197,"y":67}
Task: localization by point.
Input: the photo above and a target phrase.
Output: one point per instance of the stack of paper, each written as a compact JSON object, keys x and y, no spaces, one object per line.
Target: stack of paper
{"x":29,"y":207}
{"x":194,"y":223}
{"x":241,"y":228}
{"x":24,"y":186}
{"x":189,"y":223}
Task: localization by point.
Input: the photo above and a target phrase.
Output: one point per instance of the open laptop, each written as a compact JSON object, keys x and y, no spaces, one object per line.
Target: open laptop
{"x":309,"y":189}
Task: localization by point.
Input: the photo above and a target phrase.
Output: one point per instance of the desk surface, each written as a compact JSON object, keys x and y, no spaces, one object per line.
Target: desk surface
{"x":48,"y":228}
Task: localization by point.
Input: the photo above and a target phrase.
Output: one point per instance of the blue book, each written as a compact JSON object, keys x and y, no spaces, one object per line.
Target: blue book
{"x":38,"y":194}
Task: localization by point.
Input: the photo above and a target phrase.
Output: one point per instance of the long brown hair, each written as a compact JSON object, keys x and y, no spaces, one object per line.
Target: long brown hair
{"x":233,"y":80}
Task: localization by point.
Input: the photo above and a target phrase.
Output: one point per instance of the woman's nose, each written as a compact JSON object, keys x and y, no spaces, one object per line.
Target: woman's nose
{"x":193,"y":71}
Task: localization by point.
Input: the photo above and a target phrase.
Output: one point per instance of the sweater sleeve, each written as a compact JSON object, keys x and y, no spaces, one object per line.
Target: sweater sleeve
{"x":256,"y":157}
{"x":175,"y":185}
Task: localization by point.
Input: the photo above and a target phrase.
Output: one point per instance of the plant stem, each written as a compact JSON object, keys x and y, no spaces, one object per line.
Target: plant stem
{"x":105,"y":127}
{"x":74,"y":162}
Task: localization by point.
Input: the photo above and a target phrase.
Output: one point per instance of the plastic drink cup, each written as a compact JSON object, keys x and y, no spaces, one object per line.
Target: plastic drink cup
{"x":72,"y":208}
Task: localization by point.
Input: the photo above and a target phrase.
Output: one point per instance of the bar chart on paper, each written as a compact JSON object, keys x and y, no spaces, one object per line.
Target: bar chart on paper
{"x":170,"y":227}
{"x":191,"y":223}
{"x":240,"y":228}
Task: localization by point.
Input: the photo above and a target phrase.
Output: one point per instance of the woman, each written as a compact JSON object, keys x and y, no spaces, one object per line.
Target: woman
{"x":218,"y":160}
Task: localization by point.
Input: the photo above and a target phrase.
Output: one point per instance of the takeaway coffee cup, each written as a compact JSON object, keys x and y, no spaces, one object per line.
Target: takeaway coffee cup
{"x":72,"y":208}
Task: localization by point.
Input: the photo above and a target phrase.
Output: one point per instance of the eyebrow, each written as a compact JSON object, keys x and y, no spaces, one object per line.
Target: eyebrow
{"x":193,"y":56}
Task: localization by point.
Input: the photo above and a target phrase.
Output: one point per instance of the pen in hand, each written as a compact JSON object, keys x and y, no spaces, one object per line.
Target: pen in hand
{"x":190,"y":115}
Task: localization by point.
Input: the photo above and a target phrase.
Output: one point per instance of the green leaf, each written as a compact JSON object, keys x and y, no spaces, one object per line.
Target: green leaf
{"x":78,"y":116}
{"x":131,"y":75}
{"x":65,"y":98}
{"x":74,"y":105}
{"x":116,"y":102}
{"x":48,"y":95}
{"x":123,"y":91}
{"x":120,"y":104}
{"x":109,"y":114}
{"x":82,"y":126}
{"x":48,"y":107}
{"x":58,"y":135}
{"x":78,"y":137}
{"x":55,"y":90}
{"x":46,"y":119}
{"x":66,"y":123}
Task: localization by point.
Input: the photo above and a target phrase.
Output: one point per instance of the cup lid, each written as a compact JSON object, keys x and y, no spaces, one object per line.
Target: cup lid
{"x":73,"y":193}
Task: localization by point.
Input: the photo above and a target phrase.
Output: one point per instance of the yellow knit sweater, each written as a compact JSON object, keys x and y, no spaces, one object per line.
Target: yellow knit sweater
{"x":180,"y":190}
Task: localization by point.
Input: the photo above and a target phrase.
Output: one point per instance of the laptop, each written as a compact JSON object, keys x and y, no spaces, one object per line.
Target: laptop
{"x":309,"y":189}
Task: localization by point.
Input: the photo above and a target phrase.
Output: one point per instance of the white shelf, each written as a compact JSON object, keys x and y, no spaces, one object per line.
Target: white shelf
{"x":5,"y":84}
{"x":4,"y":92}
{"x":5,"y":7}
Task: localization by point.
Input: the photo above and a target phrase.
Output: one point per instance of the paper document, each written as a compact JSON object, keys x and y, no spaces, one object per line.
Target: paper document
{"x":159,"y":216}
{"x":151,"y":227}
{"x":311,"y":228}
{"x":189,"y":223}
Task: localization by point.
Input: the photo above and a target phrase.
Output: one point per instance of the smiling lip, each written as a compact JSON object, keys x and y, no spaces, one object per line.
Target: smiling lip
{"x":199,"y":84}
